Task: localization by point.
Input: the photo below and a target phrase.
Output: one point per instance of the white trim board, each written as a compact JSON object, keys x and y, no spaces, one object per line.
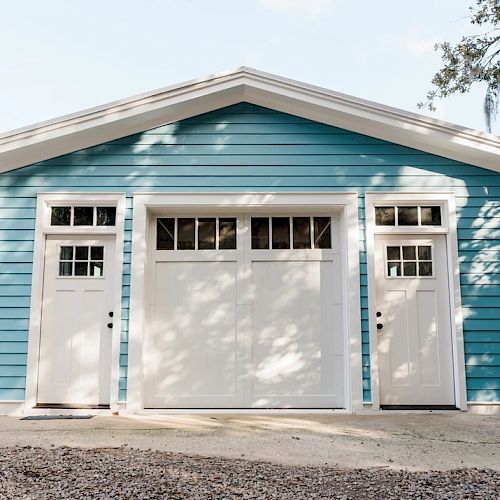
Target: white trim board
{"x":42,"y":229}
{"x":94,"y":126}
{"x":146,"y":203}
{"x":449,"y":229}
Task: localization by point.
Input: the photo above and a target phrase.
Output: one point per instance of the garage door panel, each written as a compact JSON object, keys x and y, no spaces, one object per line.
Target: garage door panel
{"x":192,"y":355}
{"x":251,"y":326}
{"x":292,"y":343}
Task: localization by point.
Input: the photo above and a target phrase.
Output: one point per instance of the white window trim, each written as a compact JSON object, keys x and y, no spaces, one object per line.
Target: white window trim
{"x":449,"y":229}
{"x":146,"y":203}
{"x":43,"y":228}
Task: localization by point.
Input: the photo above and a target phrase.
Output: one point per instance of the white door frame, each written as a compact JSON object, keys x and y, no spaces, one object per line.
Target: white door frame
{"x":43,"y":228}
{"x":347,"y":203}
{"x":449,"y":228}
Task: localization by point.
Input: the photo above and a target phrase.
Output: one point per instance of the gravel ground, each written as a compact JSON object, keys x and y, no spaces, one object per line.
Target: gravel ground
{"x":112,"y":473}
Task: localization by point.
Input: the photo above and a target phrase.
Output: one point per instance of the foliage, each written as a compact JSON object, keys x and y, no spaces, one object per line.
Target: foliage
{"x":475,"y":59}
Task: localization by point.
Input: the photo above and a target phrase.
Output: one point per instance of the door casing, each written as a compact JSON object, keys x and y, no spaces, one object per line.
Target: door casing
{"x":346,"y":204}
{"x":449,"y":228}
{"x":43,"y":228}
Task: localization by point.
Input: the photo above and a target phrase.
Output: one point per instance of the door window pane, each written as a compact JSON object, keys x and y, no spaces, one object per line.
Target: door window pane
{"x":206,"y":234}
{"x":96,"y":269}
{"x":322,"y":232}
{"x":425,"y":268}
{"x":81,"y":253}
{"x":424,"y":253}
{"x":408,"y":216}
{"x":281,"y":232}
{"x":409,"y":253}
{"x":81,"y":268}
{"x":394,"y":269}
{"x":185,"y":234}
{"x":60,"y":216}
{"x":227,"y":234}
{"x":393,"y":253}
{"x":66,"y":253}
{"x":106,"y":216}
{"x":410,"y":268}
{"x":301,"y":232}
{"x":165,"y":234}
{"x":260,"y":233}
{"x":385,"y":216}
{"x":65,"y":268}
{"x":83,"y":216}
{"x":97,"y":253}
{"x":430,"y":216}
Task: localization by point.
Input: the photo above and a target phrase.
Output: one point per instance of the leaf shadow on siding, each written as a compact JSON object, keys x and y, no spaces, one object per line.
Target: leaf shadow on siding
{"x":132,"y":163}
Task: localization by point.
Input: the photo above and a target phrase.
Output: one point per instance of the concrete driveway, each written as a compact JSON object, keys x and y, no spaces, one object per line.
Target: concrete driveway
{"x":418,"y":441}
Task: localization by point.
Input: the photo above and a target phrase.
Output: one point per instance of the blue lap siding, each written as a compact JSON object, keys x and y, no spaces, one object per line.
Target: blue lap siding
{"x":248,"y":148}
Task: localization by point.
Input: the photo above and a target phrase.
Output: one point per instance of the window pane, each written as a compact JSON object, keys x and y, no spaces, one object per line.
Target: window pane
{"x":301,"y":232}
{"x":410,"y":268}
{"x":106,"y":216}
{"x":227,"y":234}
{"x":81,"y":268}
{"x":424,"y":253}
{"x":81,"y":253}
{"x":165,"y":234}
{"x":260,"y":233}
{"x":206,"y":234}
{"x":407,"y":216}
{"x":281,"y":232}
{"x":393,"y":253}
{"x":97,"y":253}
{"x":83,"y":216}
{"x":409,"y":253}
{"x":60,"y":216}
{"x":65,"y":268}
{"x":96,"y":268}
{"x":425,"y":268}
{"x":66,"y":253}
{"x":322,"y":232}
{"x":185,"y":234}
{"x":385,"y":216}
{"x":430,"y":216}
{"x":394,"y":269}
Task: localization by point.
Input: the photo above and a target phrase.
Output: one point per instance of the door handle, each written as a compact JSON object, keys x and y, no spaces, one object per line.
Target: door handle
{"x":380,"y":326}
{"x":110,"y":325}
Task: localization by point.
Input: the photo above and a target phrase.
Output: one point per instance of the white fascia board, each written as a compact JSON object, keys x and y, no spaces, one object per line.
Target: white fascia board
{"x":121,"y":118}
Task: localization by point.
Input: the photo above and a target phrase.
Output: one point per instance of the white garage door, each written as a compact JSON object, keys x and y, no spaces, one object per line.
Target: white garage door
{"x":245,"y":312}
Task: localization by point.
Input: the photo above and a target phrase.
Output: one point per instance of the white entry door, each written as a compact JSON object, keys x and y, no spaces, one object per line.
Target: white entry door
{"x":76,"y":329}
{"x":244,"y":312}
{"x":414,"y":321}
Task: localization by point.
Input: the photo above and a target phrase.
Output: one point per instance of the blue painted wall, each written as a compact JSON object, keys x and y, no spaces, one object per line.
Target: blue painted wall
{"x":245,"y":147}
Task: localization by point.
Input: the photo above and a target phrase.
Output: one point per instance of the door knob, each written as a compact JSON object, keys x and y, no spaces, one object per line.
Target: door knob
{"x":380,"y":326}
{"x":110,"y":325}
{"x":379,"y":314}
{"x":110,"y":314}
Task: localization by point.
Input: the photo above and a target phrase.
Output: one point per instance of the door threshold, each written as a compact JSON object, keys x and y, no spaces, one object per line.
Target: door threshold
{"x":419,"y":407}
{"x":70,"y":406}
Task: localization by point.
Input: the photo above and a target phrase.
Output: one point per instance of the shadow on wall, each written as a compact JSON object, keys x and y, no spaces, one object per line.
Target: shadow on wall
{"x":247,"y":148}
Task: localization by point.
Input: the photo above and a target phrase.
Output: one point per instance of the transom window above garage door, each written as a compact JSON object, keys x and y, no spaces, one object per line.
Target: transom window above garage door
{"x":299,"y":232}
{"x":196,"y":233}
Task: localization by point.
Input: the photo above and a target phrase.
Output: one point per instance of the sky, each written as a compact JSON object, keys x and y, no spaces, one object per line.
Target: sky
{"x":62,"y":56}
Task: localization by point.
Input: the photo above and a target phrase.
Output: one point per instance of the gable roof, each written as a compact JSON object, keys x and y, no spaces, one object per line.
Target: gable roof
{"x":111,"y":121}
